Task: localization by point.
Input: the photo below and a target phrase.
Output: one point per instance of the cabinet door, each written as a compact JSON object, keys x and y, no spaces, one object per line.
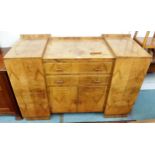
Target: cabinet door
{"x":91,"y":99}
{"x":62,"y":99}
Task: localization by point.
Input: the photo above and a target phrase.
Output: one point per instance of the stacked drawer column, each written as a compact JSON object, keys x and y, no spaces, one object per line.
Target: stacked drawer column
{"x":77,"y":85}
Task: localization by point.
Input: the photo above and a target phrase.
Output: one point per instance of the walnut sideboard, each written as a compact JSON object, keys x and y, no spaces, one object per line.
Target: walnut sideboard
{"x":76,"y":74}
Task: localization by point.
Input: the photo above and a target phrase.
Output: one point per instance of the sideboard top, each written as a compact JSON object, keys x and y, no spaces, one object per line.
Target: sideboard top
{"x":125,"y":46}
{"x":77,"y":47}
{"x":25,"y":48}
{"x":47,"y":47}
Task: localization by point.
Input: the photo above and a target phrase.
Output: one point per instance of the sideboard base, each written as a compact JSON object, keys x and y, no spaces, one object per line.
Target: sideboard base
{"x":38,"y":118}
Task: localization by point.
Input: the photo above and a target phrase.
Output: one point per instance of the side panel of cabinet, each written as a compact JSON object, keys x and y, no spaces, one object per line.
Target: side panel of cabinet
{"x":126,"y":82}
{"x":91,"y":99}
{"x":27,"y":79}
{"x":62,"y":99}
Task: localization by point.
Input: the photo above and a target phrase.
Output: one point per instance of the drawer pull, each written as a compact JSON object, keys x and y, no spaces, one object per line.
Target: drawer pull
{"x":97,"y":69}
{"x":93,"y":53}
{"x":59,"y":69}
{"x":59,"y":81}
{"x":96,"y":81}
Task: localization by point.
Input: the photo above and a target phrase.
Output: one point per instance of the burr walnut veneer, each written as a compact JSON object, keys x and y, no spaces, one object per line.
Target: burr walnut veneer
{"x":76,"y":74}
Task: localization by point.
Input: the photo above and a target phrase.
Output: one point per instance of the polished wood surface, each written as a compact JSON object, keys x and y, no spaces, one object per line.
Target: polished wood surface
{"x":8,"y":104}
{"x":77,"y":74}
{"x":69,"y":80}
{"x":61,"y":80}
{"x":27,"y":79}
{"x":27,"y":49}
{"x":125,"y":47}
{"x":34,"y":36}
{"x":78,"y":67}
{"x":92,"y":99}
{"x":63,"y":99}
{"x":77,"y":47}
{"x":131,"y":65}
{"x":126,"y":81}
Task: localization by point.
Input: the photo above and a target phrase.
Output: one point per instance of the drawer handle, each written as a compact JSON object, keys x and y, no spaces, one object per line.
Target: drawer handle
{"x":97,"y":69}
{"x":96,"y":81}
{"x":93,"y":53}
{"x":59,"y":81}
{"x":59,"y":69}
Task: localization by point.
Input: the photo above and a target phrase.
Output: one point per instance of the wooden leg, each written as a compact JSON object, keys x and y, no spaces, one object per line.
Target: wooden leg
{"x":19,"y":117}
{"x":115,"y":116}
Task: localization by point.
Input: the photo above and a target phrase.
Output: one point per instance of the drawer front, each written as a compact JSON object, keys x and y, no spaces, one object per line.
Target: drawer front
{"x":98,"y":80}
{"x":96,"y":67}
{"x":70,"y":80}
{"x":60,"y":80}
{"x":58,"y":68}
{"x":79,"y":67}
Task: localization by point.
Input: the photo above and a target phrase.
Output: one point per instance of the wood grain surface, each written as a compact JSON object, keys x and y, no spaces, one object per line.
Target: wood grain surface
{"x":34,"y":36}
{"x":27,"y":49}
{"x":8,"y":104}
{"x":125,"y":47}
{"x":78,"y":67}
{"x":79,"y":48}
{"x":91,"y":99}
{"x":76,"y":74}
{"x":126,"y":82}
{"x":27,"y":79}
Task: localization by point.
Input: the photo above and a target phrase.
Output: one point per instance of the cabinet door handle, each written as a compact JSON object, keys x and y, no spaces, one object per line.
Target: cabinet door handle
{"x":59,"y":81}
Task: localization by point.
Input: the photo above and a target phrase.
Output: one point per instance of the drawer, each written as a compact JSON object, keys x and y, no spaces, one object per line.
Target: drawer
{"x":70,"y":80}
{"x":78,"y":67}
{"x":58,"y":68}
{"x":96,"y":80}
{"x":61,"y":80}
{"x":103,"y":67}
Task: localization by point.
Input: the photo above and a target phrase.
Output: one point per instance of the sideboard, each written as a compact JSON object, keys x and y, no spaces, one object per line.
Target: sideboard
{"x":76,"y":74}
